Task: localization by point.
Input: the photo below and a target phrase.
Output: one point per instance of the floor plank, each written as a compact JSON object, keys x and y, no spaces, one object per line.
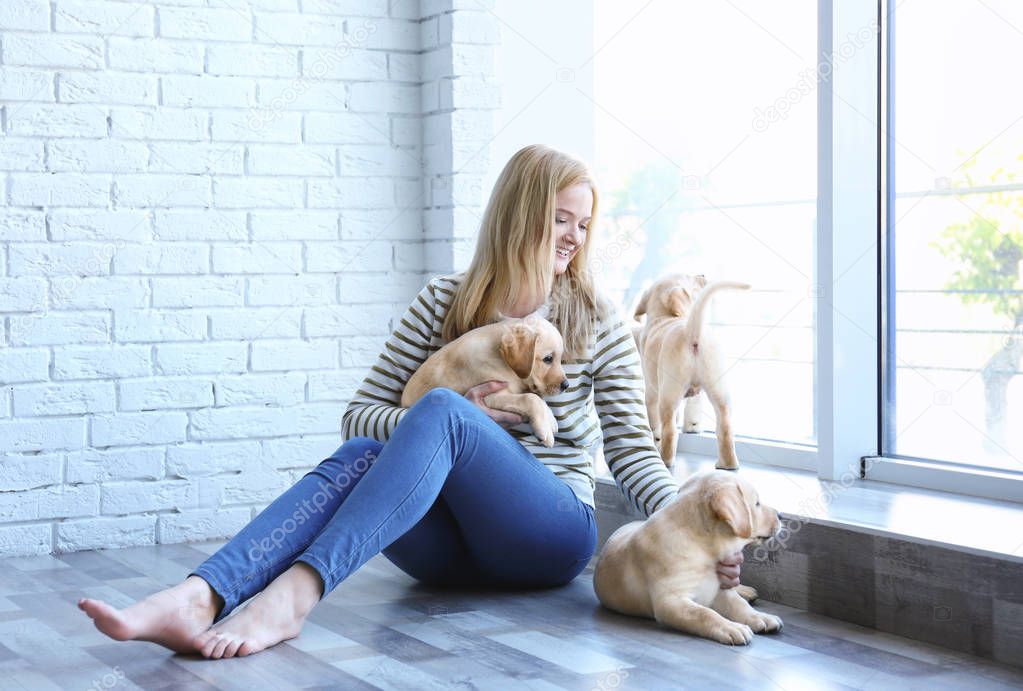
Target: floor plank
{"x":381,"y":629}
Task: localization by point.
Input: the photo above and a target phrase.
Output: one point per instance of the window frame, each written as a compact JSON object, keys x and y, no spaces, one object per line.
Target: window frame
{"x":853,"y":259}
{"x":848,"y":220}
{"x":881,"y":465}
{"x":853,"y":270}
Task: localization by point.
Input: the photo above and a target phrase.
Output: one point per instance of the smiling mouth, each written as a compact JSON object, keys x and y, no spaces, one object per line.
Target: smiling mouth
{"x":563,"y":253}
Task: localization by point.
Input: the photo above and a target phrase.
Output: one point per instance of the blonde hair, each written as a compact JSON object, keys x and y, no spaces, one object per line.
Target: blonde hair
{"x":515,"y":252}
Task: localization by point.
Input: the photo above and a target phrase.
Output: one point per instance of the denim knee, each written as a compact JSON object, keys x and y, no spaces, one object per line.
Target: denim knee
{"x":357,"y":447}
{"x":354,"y":456}
{"x":442,"y":396}
{"x":440,"y":401}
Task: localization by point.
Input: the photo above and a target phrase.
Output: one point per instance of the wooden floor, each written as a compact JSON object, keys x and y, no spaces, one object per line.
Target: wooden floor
{"x":380,"y":629}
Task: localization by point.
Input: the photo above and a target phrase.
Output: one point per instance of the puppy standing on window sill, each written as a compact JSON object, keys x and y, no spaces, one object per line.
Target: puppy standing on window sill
{"x":525,"y":353}
{"x":680,"y":359}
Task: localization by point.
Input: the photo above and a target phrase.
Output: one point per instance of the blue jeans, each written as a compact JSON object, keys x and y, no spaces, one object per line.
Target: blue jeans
{"x":452,"y":499}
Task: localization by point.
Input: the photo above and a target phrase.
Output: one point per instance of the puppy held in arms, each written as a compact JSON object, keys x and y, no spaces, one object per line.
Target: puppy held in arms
{"x":665,"y":568}
{"x":680,"y":359}
{"x":525,"y":353}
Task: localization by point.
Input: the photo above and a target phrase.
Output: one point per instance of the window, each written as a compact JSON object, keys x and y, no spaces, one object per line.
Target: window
{"x":859,"y":163}
{"x":707,"y":164}
{"x":955,"y":234}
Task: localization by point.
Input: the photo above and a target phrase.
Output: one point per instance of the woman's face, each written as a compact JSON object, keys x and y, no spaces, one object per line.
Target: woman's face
{"x":574,"y":205}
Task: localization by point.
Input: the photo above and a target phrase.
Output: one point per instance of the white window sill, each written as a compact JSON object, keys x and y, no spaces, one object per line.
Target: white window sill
{"x":761,"y":451}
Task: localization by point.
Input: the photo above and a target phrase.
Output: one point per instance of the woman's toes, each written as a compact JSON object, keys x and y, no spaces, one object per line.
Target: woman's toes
{"x":210,"y":644}
{"x":199,"y":642}
{"x":247,"y":648}
{"x":232,"y":648}
{"x":90,"y":606}
{"x":220,"y":647}
{"x":106,"y":618}
{"x":170,"y":618}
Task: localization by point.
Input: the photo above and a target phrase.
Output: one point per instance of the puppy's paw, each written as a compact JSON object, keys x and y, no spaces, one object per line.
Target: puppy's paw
{"x":546,"y":438}
{"x":761,"y":622}
{"x":544,"y":430}
{"x":732,"y":633}
{"x":747,"y":593}
{"x":553,"y":421}
{"x":728,"y":463}
{"x":693,"y":427}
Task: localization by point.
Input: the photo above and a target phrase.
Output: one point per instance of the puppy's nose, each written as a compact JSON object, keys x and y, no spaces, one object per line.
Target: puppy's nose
{"x":564,"y":384}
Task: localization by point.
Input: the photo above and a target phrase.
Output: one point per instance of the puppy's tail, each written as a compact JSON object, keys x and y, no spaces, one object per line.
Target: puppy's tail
{"x":694,"y":324}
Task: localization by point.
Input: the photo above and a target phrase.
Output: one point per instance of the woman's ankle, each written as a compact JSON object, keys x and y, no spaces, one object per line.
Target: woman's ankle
{"x":309,"y":579}
{"x":201,"y":594}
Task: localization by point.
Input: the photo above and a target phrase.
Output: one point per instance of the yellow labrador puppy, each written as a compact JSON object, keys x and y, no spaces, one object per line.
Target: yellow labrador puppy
{"x":665,"y":568}
{"x":525,"y":353}
{"x":680,"y":359}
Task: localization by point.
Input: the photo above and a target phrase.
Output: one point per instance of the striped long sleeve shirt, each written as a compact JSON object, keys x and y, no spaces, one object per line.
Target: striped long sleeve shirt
{"x":603,"y":404}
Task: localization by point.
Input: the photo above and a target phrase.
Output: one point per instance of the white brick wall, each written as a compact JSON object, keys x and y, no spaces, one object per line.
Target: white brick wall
{"x":457,"y":101}
{"x":212,"y":212}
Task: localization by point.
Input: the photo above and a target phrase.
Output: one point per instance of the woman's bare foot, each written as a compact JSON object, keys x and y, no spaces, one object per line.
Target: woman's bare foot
{"x":275,"y":615}
{"x":172,"y":617}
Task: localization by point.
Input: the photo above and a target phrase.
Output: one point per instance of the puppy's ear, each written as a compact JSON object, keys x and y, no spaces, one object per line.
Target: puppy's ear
{"x":729,"y":504}
{"x":517,"y":345}
{"x":641,"y":306}
{"x":676,"y":300}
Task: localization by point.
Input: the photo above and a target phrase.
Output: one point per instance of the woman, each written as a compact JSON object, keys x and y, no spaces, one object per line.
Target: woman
{"x":451,"y":498}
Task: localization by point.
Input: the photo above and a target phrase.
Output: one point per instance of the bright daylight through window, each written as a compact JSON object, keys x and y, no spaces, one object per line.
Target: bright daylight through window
{"x":714,"y":172}
{"x":956,"y":234}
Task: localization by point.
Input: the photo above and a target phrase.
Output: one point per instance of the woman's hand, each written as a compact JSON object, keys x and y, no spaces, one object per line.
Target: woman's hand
{"x":728,"y":571}
{"x":477,"y":393}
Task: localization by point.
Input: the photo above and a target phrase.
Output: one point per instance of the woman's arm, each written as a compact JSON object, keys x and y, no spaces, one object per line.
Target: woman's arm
{"x":618,"y":394}
{"x":628,"y":442}
{"x":375,"y":409}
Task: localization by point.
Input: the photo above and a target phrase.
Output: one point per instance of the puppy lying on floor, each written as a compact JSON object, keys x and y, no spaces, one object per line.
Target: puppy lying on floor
{"x":665,"y":567}
{"x":525,"y":353}
{"x":680,"y":359}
